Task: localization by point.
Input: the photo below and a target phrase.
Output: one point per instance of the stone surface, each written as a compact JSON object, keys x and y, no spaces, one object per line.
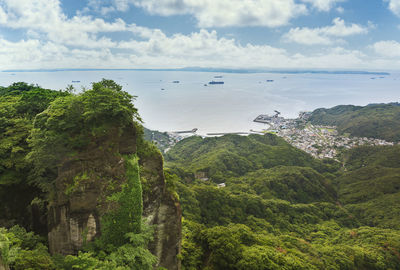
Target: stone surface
{"x":163,"y":211}
{"x":83,"y":184}
{"x":81,"y":188}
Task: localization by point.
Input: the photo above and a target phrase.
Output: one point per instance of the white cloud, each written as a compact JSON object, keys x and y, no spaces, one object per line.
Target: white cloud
{"x":58,"y":41}
{"x":121,"y":5}
{"x":324,"y":35}
{"x":222,"y":13}
{"x":394,"y":6}
{"x":340,"y":10}
{"x":334,"y":58}
{"x":3,"y":16}
{"x":203,"y":48}
{"x":46,"y":16}
{"x":387,"y":48}
{"x":323,"y":5}
{"x":307,"y":36}
{"x":30,"y":53}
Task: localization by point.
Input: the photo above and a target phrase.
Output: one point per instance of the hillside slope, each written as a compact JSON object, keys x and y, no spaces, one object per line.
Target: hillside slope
{"x":278,"y":208}
{"x":370,"y":189}
{"x":218,"y":158}
{"x":381,"y":121}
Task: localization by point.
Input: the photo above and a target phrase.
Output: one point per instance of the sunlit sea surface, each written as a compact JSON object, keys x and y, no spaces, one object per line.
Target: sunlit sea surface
{"x":230,"y":107}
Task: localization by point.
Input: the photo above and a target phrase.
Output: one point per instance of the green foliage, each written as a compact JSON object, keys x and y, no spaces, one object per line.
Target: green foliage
{"x":328,"y":246}
{"x":129,"y":206}
{"x":370,"y":189}
{"x":107,"y":104}
{"x":373,"y":121}
{"x":42,"y":128}
{"x":281,"y":209}
{"x":135,"y":255}
{"x":171,"y":180}
{"x":38,"y":258}
{"x":145,"y":148}
{"x":131,"y":255}
{"x":76,"y":122}
{"x":290,"y":183}
{"x":234,"y":155}
{"x":21,"y":250}
{"x":367,"y":156}
{"x":8,"y":248}
{"x":19,"y":103}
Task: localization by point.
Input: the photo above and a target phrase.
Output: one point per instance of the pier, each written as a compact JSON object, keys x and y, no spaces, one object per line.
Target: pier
{"x":226,"y":133}
{"x":185,"y":131}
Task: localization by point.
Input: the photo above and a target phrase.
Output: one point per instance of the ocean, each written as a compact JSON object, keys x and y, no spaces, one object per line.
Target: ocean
{"x":230,"y":107}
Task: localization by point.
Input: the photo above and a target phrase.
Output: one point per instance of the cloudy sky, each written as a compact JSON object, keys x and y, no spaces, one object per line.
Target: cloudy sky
{"x":327,"y":34}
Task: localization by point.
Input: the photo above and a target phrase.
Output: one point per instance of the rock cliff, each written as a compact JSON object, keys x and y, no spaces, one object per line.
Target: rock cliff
{"x":163,"y":210}
{"x":84,"y":181}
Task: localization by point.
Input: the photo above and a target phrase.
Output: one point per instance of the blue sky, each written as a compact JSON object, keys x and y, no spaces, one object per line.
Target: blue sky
{"x":301,"y":34}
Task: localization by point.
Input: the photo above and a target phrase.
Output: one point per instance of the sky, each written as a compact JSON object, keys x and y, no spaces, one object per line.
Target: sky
{"x":262,"y":34}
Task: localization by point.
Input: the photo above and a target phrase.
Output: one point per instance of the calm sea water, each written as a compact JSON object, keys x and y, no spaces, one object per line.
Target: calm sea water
{"x":224,"y":108}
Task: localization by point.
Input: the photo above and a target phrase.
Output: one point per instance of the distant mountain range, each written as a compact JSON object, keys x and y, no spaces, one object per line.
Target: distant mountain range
{"x":222,"y":70}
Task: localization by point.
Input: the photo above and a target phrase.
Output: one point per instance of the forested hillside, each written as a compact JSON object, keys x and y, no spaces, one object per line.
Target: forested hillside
{"x":232,"y":155}
{"x":80,"y":188}
{"x":370,"y":189}
{"x":381,"y":121}
{"x":281,"y":209}
{"x":19,"y":104}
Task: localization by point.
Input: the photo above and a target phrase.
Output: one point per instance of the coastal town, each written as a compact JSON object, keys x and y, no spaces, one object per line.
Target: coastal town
{"x":319,"y":141}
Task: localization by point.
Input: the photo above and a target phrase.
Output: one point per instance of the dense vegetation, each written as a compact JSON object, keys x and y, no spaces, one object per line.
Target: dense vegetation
{"x":370,"y":190}
{"x":231,"y":155}
{"x":40,"y":128}
{"x":249,"y":202}
{"x":19,"y":105}
{"x":282,"y":209}
{"x":381,"y":121}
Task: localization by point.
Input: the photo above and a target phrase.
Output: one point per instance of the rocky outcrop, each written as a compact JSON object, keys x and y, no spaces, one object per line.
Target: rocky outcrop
{"x":85,"y":181}
{"x":163,"y":210}
{"x":2,"y":266}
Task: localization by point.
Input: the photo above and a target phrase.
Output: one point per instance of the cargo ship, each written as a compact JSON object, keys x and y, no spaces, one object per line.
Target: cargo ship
{"x":215,"y":82}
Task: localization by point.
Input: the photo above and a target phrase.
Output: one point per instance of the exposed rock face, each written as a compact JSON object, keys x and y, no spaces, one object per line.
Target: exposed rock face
{"x":81,"y":189}
{"x":163,"y":210}
{"x":83,"y":184}
{"x":2,"y":267}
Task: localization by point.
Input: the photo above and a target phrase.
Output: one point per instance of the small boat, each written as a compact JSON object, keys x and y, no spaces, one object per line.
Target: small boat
{"x":76,"y":81}
{"x":216,"y":82}
{"x":175,"y":81}
{"x":162,"y":89}
{"x":218,"y":77}
{"x":270,"y":80}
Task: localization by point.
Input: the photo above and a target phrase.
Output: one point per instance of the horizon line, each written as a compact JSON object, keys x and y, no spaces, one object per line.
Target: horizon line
{"x":222,"y":70}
